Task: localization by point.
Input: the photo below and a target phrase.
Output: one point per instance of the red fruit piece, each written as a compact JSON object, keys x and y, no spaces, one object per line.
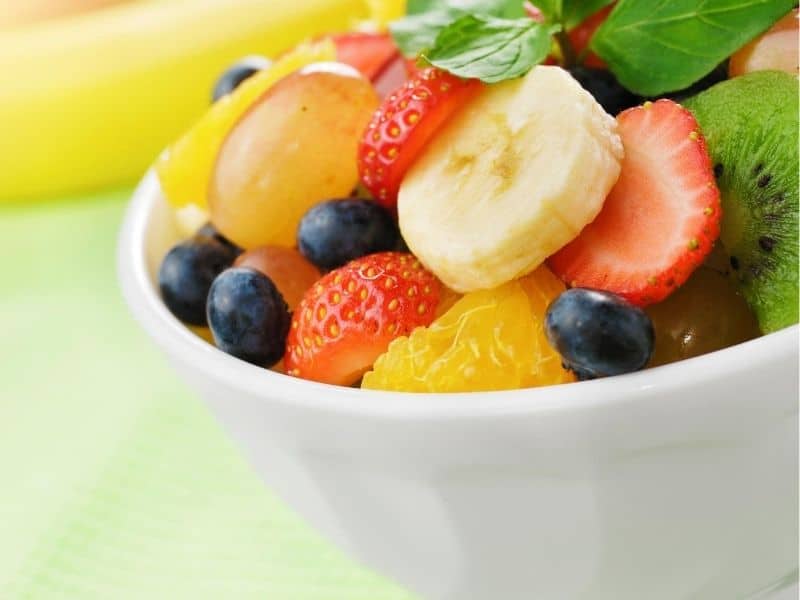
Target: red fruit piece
{"x":581,"y":35}
{"x":395,"y":74}
{"x":347,"y":320}
{"x":413,"y":68}
{"x":402,"y":126}
{"x":661,"y":218}
{"x":369,"y":53}
{"x":376,"y":56}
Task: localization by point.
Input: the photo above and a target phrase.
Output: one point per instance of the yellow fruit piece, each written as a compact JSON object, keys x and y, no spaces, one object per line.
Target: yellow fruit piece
{"x":185,"y":167}
{"x":489,"y":340}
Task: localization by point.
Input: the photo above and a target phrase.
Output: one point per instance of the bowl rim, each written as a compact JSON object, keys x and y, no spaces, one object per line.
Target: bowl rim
{"x":178,"y":341}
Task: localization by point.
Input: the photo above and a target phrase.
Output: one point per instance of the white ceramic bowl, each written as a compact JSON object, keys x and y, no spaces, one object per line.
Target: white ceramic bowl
{"x":676,"y":482}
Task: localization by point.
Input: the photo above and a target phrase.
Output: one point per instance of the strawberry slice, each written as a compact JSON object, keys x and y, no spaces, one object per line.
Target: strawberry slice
{"x":376,"y":56}
{"x":661,"y":218}
{"x":402,"y":126}
{"x":413,"y":68}
{"x":394,"y":74}
{"x":369,"y":53}
{"x":347,"y":320}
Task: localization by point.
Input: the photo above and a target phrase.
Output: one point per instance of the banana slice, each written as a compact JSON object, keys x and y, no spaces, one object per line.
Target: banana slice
{"x":509,"y":180}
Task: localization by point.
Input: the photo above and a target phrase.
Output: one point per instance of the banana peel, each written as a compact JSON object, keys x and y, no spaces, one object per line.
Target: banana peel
{"x":89,"y":101}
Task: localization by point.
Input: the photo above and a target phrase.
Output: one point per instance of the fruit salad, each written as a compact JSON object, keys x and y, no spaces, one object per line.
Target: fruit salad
{"x":495,"y":195}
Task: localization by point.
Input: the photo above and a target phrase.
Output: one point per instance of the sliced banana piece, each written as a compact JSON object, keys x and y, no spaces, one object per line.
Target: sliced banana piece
{"x":509,"y":180}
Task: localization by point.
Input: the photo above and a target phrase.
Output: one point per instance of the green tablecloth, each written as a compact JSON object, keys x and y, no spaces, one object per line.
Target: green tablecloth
{"x":116,"y":482}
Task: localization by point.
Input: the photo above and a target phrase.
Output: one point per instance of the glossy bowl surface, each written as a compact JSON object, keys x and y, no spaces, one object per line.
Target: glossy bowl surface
{"x":675,"y":482}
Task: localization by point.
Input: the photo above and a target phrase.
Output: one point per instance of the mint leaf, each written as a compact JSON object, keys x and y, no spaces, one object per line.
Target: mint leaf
{"x":416,"y":33}
{"x":504,"y":9}
{"x":426,"y":18}
{"x":658,"y":46}
{"x":491,"y":49}
{"x":575,"y":12}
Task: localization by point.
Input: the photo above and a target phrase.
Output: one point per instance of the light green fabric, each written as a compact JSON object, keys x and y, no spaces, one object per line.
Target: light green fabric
{"x":116,"y":482}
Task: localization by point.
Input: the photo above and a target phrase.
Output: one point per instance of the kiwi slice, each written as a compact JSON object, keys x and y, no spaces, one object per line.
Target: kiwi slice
{"x":751,"y":127}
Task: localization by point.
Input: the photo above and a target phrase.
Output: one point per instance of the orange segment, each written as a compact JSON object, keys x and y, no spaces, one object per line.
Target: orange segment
{"x":489,"y":340}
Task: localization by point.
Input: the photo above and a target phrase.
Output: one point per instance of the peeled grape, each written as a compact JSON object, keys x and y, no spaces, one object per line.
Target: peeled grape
{"x":703,"y":315}
{"x":295,"y":147}
{"x":286,"y":267}
{"x":776,"y":49}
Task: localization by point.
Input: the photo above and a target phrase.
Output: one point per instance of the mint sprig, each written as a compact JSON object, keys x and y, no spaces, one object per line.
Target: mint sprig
{"x":651,"y":46}
{"x":500,"y":8}
{"x":417,"y":33}
{"x":491,"y":49}
{"x":427,"y":18}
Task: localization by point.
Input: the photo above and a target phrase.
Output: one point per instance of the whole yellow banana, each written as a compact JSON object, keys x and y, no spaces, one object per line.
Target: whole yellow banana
{"x":90,"y":100}
{"x":14,"y":14}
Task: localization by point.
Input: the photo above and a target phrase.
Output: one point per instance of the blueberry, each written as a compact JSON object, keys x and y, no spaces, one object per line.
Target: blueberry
{"x":236,"y":74}
{"x":598,"y":333}
{"x":335,"y":232}
{"x":208,"y":231}
{"x":248,"y":316}
{"x":186,"y":274}
{"x":605,"y":88}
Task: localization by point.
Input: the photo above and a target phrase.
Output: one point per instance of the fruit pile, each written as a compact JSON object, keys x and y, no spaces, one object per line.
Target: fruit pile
{"x":445,"y":224}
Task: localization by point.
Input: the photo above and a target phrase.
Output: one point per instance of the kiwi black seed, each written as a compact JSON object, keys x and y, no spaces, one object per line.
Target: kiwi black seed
{"x":751,"y":127}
